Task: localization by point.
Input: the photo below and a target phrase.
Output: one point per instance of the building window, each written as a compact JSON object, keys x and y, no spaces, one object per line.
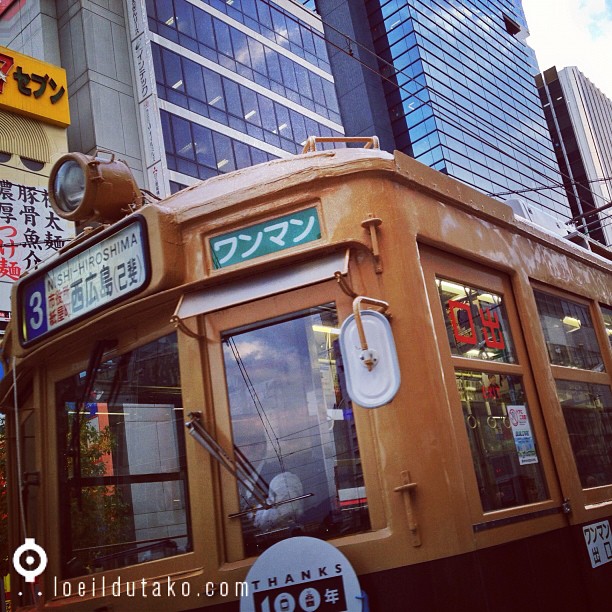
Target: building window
{"x":176,"y":187}
{"x":122,"y":461}
{"x":582,"y":385}
{"x":293,"y":424}
{"x":32,"y":164}
{"x":511,"y":26}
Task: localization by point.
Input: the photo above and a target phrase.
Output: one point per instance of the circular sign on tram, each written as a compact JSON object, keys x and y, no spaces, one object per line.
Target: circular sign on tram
{"x":302,"y":574}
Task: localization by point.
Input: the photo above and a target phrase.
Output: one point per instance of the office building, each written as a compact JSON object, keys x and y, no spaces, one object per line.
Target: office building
{"x":185,"y":89}
{"x":579,"y":118}
{"x":451,"y":83}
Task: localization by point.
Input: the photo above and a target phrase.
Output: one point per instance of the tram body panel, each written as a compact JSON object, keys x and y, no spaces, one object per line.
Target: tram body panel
{"x":435,"y":506}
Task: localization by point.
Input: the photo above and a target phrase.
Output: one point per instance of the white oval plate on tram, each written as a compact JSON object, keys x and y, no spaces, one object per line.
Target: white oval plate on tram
{"x":378,"y":386}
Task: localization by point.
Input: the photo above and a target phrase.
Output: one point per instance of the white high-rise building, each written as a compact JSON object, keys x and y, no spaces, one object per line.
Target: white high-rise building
{"x":579,"y":118}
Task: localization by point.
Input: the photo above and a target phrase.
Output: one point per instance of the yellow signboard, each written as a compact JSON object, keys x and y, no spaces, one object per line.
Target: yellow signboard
{"x":33,"y":88}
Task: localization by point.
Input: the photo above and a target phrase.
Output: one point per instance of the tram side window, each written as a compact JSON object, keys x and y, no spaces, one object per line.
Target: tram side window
{"x":494,"y":403}
{"x":123,"y":489}
{"x":294,"y":426}
{"x":476,"y":322}
{"x":587,"y":409}
{"x":569,"y":333}
{"x":586,"y":398}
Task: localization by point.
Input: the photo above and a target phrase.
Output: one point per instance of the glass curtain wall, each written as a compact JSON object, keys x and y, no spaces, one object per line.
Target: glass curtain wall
{"x":461,"y":94}
{"x":239,"y":83}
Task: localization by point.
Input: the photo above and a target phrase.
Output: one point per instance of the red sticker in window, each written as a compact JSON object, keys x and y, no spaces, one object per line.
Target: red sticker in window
{"x":464,"y":328}
{"x":490,"y":321}
{"x":465,"y":314}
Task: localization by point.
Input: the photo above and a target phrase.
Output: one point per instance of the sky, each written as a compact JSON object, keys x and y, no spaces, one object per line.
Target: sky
{"x":573,"y":33}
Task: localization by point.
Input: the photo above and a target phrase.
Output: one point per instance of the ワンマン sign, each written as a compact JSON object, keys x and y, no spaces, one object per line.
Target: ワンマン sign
{"x":33,"y":88}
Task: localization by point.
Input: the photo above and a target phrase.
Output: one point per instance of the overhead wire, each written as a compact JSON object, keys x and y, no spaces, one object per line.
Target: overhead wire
{"x":261,"y":412}
{"x":574,"y":182}
{"x":441,"y":109}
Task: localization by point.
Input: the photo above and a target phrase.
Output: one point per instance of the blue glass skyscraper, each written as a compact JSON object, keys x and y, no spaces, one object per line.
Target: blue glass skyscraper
{"x":457,"y":90}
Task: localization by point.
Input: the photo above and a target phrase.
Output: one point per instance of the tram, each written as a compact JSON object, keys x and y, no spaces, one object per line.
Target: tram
{"x":177,"y":403}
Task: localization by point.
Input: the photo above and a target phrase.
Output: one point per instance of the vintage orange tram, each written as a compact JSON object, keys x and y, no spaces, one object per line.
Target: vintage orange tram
{"x":483,"y":482}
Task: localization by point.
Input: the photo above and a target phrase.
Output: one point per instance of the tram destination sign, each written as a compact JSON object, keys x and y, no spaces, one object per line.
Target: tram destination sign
{"x":109,"y":270}
{"x":264,"y":238}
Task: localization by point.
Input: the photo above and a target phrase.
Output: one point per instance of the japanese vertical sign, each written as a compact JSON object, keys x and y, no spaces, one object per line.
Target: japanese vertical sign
{"x":144,"y":76}
{"x":523,"y":436}
{"x":33,"y":88}
{"x":598,"y":539}
{"x":264,"y":238}
{"x":102,"y":272}
{"x":30,"y":232}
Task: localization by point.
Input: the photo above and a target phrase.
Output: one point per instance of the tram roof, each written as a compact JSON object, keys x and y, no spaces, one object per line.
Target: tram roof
{"x":274,"y":176}
{"x":255,"y":182}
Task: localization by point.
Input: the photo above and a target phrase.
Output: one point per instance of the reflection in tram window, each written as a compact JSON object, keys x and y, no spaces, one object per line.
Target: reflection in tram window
{"x":502,"y":440}
{"x":122,"y":461}
{"x":476,"y":322}
{"x":293,"y":423}
{"x":607,"y":317}
{"x":569,"y":333}
{"x":587,"y":409}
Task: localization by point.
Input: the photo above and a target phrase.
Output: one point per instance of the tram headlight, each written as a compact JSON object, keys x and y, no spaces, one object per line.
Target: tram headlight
{"x":68,"y":187}
{"x":83,"y":187}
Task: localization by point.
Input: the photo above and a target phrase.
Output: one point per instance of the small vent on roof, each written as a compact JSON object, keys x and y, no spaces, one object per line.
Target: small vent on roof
{"x":539,"y":217}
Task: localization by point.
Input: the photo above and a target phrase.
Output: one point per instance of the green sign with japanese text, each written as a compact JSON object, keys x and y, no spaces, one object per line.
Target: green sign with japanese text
{"x":264,"y":238}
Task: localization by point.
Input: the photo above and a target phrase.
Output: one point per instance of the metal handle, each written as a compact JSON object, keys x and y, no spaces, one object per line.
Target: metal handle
{"x":310,"y":145}
{"x":366,"y":354}
{"x":408,"y":488}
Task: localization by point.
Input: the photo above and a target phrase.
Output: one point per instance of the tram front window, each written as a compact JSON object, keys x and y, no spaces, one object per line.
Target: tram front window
{"x":123,"y":490}
{"x":293,"y":425}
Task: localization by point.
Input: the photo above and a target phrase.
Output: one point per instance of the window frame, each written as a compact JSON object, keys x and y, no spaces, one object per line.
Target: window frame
{"x":219,"y":421}
{"x":590,"y":497}
{"x":570,"y":372}
{"x":440,"y":264}
{"x":65,"y":488}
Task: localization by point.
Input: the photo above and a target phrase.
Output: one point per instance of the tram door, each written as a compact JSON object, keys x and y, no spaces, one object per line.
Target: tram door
{"x":280,"y":397}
